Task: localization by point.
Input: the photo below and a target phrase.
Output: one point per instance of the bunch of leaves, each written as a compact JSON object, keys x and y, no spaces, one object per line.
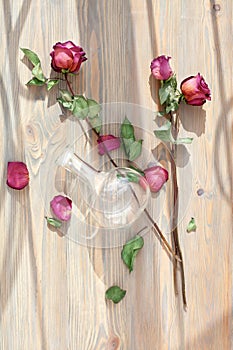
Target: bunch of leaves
{"x":38,"y":78}
{"x":164,"y":133}
{"x":170,"y":98}
{"x":169,"y":95}
{"x":82,"y":107}
{"x":132,"y":147}
{"x":79,"y":106}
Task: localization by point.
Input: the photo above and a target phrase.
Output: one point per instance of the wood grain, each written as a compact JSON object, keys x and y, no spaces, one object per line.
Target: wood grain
{"x":52,"y":289}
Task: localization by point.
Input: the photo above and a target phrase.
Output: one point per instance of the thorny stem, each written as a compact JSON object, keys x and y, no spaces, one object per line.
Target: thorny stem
{"x":69,"y":85}
{"x":56,"y":78}
{"x":155,"y":226}
{"x":157,"y":229}
{"x":175,"y":237}
{"x":105,"y":148}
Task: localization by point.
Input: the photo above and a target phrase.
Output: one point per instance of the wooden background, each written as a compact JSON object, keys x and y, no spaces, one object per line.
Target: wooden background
{"x":51,"y":289}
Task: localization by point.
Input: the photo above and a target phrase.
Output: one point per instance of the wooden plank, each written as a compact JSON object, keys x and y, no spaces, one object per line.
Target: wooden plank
{"x":52,"y":289}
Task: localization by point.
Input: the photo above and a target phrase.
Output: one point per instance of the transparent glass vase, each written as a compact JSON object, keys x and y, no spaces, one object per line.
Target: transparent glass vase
{"x":113,"y":199}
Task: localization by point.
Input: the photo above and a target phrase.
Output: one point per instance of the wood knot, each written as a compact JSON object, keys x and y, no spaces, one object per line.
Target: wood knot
{"x":200,"y":191}
{"x":30,"y":134}
{"x":113,"y":343}
{"x":216,"y":7}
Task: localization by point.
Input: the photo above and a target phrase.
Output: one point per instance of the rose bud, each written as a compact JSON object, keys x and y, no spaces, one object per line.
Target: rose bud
{"x":108,"y":143}
{"x":195,"y":90}
{"x":156,"y":176}
{"x":160,"y":68}
{"x":62,"y":207}
{"x":17,"y":175}
{"x":67,"y":57}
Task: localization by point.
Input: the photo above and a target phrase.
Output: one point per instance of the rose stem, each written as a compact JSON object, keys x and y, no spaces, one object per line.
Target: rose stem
{"x":157,"y":229}
{"x":68,"y":84}
{"x":175,"y":237}
{"x":155,"y":226}
{"x":56,"y":78}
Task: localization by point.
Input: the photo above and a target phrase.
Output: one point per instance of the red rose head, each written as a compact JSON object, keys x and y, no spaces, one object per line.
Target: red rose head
{"x":195,"y":90}
{"x":67,"y":57}
{"x":160,"y":68}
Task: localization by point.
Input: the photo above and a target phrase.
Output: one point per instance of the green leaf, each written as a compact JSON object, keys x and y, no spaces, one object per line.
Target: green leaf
{"x":127,"y":130}
{"x":173,"y":106}
{"x":182,"y":140}
{"x":172,"y":81}
{"x":115,"y":293}
{"x":94,"y":108}
{"x":68,"y":105}
{"x":53,"y":222}
{"x":80,"y":107}
{"x":164,"y":134}
{"x":160,"y":114}
{"x":169,"y":95}
{"x":127,"y":143}
{"x":66,"y":96}
{"x":131,"y":177}
{"x":65,"y":71}
{"x":35,"y":82}
{"x":51,"y":83}
{"x":32,"y":56}
{"x":135,"y":150}
{"x":37,"y":72}
{"x":191,"y":226}
{"x":130,"y":250}
{"x":96,"y":123}
{"x":164,"y":92}
{"x":132,"y":147}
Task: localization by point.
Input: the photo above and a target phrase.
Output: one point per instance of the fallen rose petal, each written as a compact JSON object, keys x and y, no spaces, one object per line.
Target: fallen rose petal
{"x":108,"y":142}
{"x":61,"y":207}
{"x":156,"y":177}
{"x":17,"y":175}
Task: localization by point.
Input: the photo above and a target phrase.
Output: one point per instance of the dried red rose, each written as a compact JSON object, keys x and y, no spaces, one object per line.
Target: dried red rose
{"x":195,"y":90}
{"x":67,"y":57}
{"x":160,"y":67}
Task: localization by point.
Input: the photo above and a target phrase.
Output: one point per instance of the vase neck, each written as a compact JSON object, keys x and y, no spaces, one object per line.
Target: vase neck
{"x":77,"y":166}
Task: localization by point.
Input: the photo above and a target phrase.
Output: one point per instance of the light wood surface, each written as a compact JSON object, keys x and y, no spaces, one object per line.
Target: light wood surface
{"x":52,"y":289}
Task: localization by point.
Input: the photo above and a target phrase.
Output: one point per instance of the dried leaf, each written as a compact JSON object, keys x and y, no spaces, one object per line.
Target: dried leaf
{"x":115,"y":293}
{"x":53,"y":222}
{"x":51,"y":83}
{"x":191,"y":226}
{"x":164,"y":134}
{"x":130,"y":250}
{"x":32,"y":56}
